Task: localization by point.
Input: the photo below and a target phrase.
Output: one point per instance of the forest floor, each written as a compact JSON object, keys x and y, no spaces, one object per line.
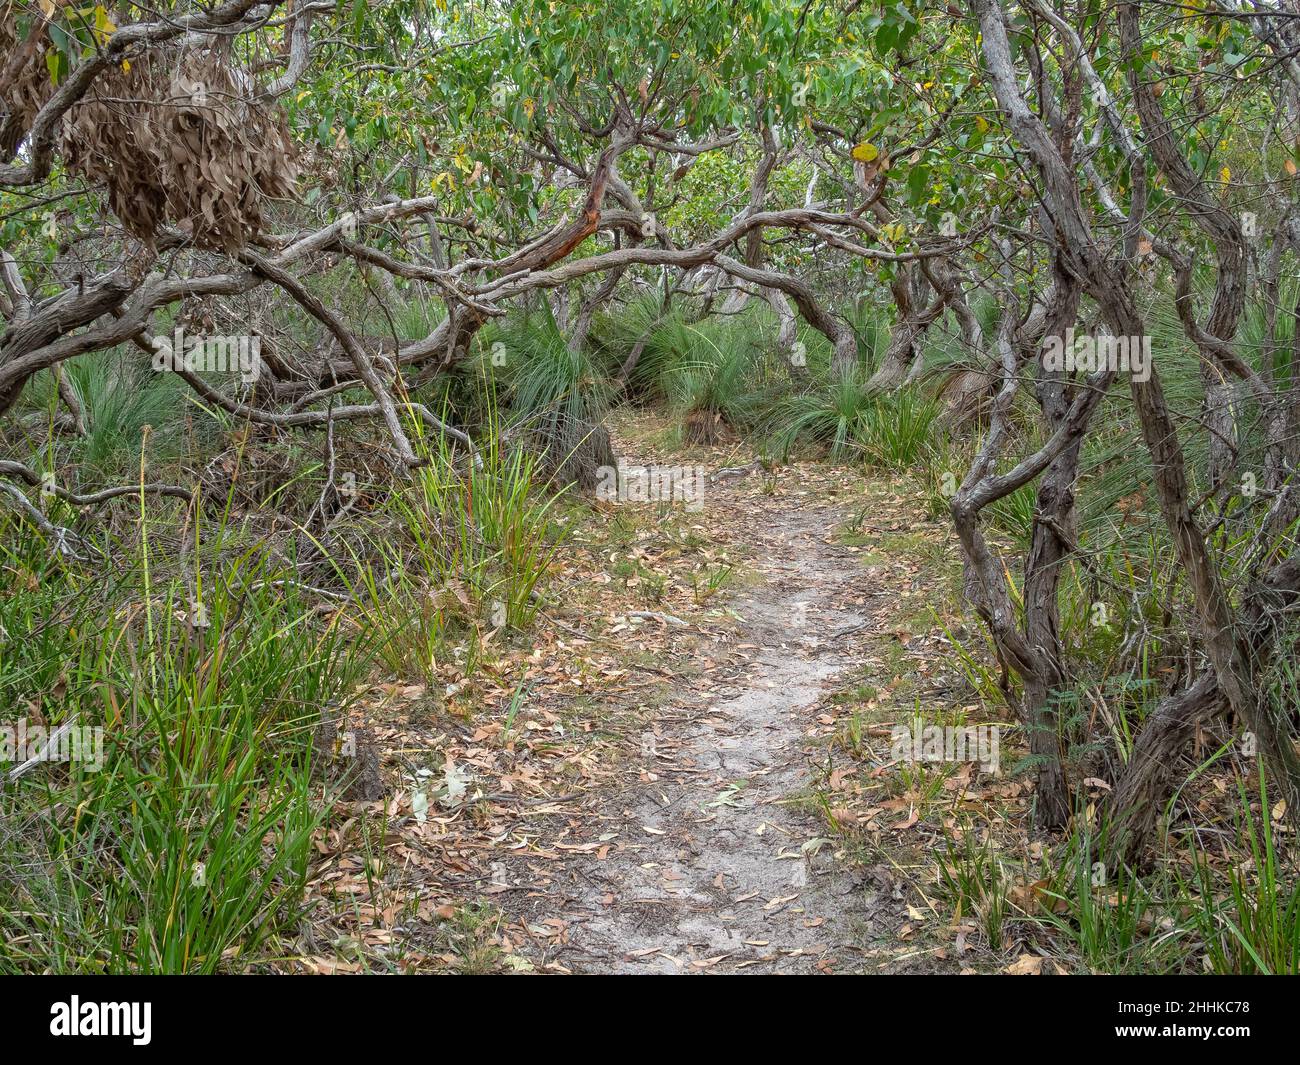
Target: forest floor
{"x":686,"y":766}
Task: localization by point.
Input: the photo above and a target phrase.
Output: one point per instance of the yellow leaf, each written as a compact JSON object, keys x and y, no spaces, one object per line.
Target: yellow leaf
{"x":865,"y":152}
{"x":105,"y":27}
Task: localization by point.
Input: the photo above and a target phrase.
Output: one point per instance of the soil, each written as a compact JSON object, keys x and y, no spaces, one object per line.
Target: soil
{"x":718,"y":860}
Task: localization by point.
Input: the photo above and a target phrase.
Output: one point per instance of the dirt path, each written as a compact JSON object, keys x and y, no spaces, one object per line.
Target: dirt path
{"x":656,"y":799}
{"x":718,"y":866}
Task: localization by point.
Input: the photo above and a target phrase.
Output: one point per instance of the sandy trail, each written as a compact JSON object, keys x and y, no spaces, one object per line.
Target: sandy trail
{"x":719,"y":866}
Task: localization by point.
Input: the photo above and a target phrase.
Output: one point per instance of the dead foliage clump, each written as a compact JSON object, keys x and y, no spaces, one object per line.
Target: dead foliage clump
{"x":182,"y":138}
{"x":25,"y":83}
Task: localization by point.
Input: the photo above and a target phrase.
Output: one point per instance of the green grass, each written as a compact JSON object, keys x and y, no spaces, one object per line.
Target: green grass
{"x":545,"y":380}
{"x":973,"y":879}
{"x":120,"y":394}
{"x":668,"y":342}
{"x":187,"y":851}
{"x":846,"y":419}
{"x":827,"y":417}
{"x":1111,"y":920}
{"x":716,"y":379}
{"x":897,"y":430}
{"x":474,"y":543}
{"x":552,"y":396}
{"x":1252,"y":927}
